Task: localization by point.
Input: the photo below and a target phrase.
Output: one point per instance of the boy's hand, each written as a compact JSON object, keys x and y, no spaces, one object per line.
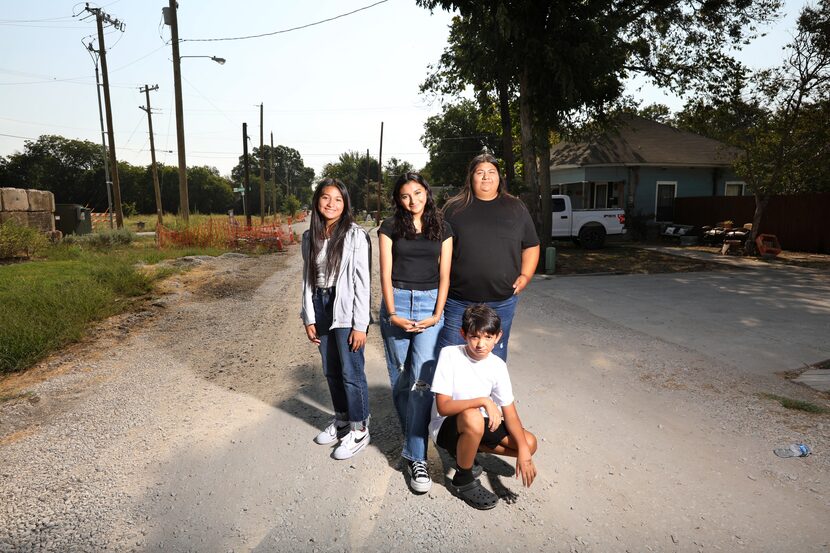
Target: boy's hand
{"x":311,"y":332}
{"x":525,"y":468}
{"x":493,"y":414}
{"x":357,"y":339}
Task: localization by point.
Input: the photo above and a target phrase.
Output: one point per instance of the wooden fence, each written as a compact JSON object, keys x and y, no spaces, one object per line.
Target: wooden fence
{"x":801,"y":222}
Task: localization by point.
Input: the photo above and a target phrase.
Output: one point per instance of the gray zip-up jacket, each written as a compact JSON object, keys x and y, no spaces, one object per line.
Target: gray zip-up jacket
{"x":352,"y":299}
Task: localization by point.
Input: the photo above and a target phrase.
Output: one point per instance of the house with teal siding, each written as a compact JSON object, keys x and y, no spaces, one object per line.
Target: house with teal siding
{"x":642,"y":166}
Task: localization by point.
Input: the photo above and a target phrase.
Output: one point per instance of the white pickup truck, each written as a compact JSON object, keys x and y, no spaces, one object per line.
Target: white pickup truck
{"x":587,"y":227}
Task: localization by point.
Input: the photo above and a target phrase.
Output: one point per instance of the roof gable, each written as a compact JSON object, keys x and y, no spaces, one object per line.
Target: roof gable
{"x":640,"y":141}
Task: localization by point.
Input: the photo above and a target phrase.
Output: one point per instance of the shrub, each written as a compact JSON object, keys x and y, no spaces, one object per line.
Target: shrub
{"x":17,"y":240}
{"x":101,"y":240}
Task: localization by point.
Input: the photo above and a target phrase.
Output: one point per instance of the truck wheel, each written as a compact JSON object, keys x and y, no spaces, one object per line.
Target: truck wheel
{"x":592,"y":237}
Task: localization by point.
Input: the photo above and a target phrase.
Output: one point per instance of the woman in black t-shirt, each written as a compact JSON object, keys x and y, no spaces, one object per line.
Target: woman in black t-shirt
{"x":415,"y":252}
{"x":495,"y":250}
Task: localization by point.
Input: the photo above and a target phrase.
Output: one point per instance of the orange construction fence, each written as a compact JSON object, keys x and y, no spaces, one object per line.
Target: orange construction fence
{"x":229,"y":233}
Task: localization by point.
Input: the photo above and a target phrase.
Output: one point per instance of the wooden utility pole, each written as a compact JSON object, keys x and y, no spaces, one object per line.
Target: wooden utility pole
{"x":261,"y":169}
{"x":247,"y":185}
{"x":273,"y":179}
{"x":367,"y":180}
{"x":100,"y":18}
{"x":156,"y":188}
{"x":184,"y":205}
{"x":380,"y":173}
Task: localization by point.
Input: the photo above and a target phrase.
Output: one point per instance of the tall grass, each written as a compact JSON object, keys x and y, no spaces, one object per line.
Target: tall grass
{"x":47,"y":303}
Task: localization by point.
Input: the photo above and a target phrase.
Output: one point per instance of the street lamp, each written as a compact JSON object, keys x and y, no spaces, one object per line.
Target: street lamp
{"x":220,"y":61}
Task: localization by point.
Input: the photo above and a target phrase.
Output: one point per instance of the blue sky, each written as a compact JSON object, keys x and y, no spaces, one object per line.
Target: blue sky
{"x":325,"y":88}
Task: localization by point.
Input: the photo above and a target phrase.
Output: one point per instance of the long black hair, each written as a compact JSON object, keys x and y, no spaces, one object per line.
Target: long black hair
{"x":466,"y":195}
{"x":319,"y":232}
{"x":432,"y":220}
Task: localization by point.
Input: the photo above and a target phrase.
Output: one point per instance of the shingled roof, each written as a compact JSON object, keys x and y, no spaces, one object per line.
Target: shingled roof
{"x":640,"y":141}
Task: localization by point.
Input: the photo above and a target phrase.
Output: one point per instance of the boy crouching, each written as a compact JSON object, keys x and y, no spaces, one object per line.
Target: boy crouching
{"x":474,"y":408}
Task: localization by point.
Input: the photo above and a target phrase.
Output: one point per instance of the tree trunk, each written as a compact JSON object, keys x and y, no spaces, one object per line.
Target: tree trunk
{"x":528,"y":149}
{"x":761,"y":201}
{"x":506,"y":132}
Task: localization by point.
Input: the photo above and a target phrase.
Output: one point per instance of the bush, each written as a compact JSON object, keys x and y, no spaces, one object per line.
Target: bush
{"x":291,"y":205}
{"x":101,"y":240}
{"x":20,"y":241}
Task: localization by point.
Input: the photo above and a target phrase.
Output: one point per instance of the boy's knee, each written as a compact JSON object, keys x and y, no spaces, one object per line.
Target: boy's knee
{"x":531,"y":442}
{"x":471,"y":421}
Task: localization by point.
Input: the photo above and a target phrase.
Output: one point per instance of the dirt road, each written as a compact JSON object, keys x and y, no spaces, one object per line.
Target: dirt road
{"x":188,"y":428}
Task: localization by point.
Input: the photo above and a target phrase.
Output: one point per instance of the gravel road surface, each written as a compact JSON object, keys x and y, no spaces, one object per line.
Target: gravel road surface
{"x":188,"y":427}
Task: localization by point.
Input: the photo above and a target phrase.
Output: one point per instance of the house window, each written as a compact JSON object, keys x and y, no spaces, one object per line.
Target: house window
{"x":736,"y":188}
{"x":601,"y":195}
{"x":664,"y":201}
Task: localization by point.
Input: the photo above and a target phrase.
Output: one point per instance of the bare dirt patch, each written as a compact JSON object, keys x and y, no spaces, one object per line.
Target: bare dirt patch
{"x":623,"y":259}
{"x":795,"y":259}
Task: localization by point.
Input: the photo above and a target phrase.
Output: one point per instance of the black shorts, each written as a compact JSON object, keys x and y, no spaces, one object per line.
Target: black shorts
{"x":448,"y":435}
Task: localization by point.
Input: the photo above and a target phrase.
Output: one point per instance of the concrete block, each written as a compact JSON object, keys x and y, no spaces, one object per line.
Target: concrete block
{"x":19,"y":217}
{"x":39,"y":200}
{"x":44,"y":221}
{"x":14,"y":199}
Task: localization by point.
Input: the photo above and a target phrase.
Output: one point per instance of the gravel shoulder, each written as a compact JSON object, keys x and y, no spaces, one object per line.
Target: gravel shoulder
{"x":188,"y":426}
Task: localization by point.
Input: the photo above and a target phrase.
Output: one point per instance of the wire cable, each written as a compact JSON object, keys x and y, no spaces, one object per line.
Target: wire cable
{"x":283,"y":30}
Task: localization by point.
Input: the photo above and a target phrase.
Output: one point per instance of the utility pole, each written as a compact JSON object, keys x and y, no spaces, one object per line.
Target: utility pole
{"x":247,"y":184}
{"x":261,"y":170}
{"x":107,"y":181}
{"x":100,"y":18}
{"x":156,"y":188}
{"x":367,"y":180}
{"x":172,"y":19}
{"x":380,"y":173}
{"x":273,"y":178}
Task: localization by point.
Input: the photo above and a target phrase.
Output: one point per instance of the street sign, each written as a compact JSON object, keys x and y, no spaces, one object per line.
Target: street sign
{"x":240,"y":190}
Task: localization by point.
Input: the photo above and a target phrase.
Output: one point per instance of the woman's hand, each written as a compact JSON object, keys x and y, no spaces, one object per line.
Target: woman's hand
{"x":311,"y":332}
{"x":406,"y":324}
{"x":520,"y":283}
{"x":525,"y":468}
{"x":357,"y":339}
{"x":428,"y":322}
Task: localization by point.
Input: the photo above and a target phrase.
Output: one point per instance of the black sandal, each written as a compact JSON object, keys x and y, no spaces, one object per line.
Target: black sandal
{"x":476,"y":495}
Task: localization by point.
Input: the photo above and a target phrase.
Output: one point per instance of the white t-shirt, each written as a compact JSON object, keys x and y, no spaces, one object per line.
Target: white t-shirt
{"x":460,"y":377}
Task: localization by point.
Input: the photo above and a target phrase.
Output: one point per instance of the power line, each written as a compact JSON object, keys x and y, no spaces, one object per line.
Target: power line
{"x":283,"y":30}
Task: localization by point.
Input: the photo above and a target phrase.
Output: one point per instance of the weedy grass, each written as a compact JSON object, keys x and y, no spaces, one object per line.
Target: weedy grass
{"x":50,"y":301}
{"x":796,"y":404}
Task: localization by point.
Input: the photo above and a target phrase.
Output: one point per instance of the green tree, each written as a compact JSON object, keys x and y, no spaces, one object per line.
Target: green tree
{"x":781,"y":121}
{"x":350,"y":168}
{"x":291,"y":175}
{"x":569,"y":56}
{"x":70,"y":169}
{"x":454,"y":136}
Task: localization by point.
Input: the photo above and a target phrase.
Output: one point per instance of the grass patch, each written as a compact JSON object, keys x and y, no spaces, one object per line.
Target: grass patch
{"x":49,"y":302}
{"x":796,"y":404}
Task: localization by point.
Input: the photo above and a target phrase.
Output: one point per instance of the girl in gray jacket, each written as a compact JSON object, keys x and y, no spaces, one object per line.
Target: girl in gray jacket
{"x":336,"y":269}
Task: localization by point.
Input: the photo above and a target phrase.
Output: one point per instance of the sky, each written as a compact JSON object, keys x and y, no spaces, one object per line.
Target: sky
{"x":326,"y":88}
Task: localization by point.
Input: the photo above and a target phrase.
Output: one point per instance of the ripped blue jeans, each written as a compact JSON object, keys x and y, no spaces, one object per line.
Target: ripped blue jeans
{"x":410,"y":360}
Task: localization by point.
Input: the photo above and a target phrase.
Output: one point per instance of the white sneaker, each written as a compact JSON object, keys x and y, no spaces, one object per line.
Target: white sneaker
{"x":354,"y":442}
{"x":333,"y":432}
{"x":419,"y":479}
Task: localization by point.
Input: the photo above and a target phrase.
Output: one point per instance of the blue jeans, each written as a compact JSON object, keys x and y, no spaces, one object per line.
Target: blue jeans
{"x":410,"y":360}
{"x":451,"y":333}
{"x":342,"y":367}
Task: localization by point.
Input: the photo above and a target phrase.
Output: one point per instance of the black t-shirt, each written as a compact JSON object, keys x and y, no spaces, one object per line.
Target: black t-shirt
{"x":414,"y":262}
{"x":487,"y":249}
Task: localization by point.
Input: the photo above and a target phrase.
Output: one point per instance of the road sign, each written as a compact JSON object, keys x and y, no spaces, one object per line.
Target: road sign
{"x":240,"y":190}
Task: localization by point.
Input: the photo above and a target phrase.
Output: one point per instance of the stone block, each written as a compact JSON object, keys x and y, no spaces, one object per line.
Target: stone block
{"x":43,"y":221}
{"x":14,"y":199}
{"x":19,"y":217}
{"x":40,"y":200}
